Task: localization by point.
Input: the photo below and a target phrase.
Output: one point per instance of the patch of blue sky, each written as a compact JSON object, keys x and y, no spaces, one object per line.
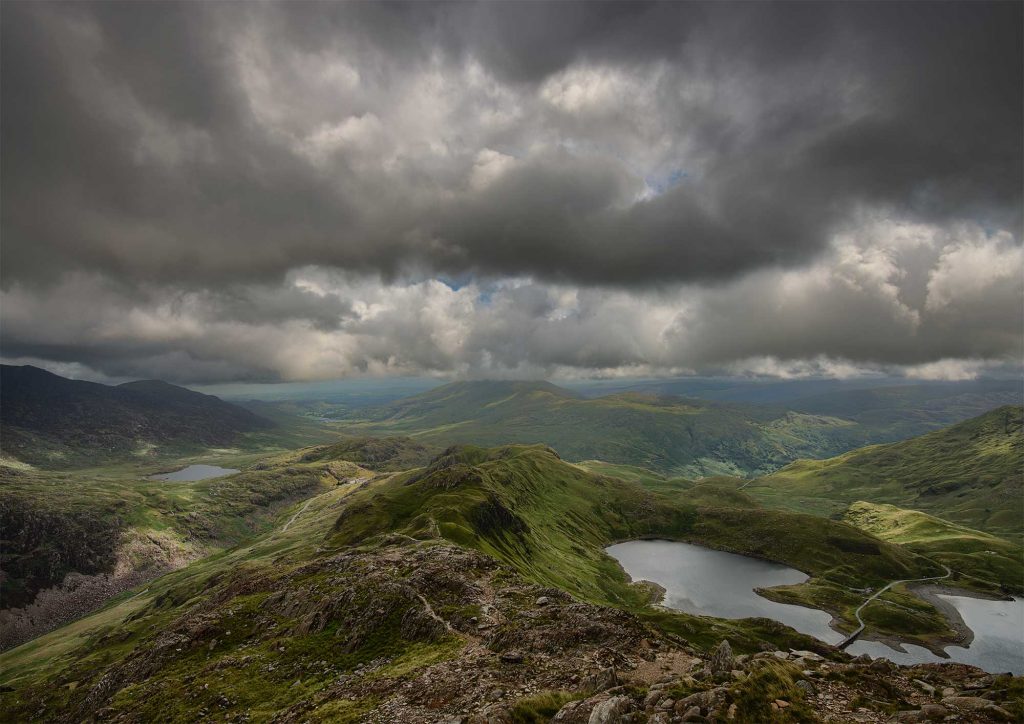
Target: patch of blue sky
{"x":457,"y":282}
{"x":660,"y":183}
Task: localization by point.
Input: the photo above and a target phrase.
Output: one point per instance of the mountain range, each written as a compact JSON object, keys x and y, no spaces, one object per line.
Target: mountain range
{"x":691,"y":437}
{"x":51,"y":420}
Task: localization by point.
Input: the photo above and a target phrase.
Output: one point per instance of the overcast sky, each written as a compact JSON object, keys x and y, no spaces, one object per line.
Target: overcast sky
{"x":209,"y":192}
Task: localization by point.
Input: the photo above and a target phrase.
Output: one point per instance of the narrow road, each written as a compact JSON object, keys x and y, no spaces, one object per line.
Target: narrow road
{"x":299,"y":512}
{"x":853,"y":636}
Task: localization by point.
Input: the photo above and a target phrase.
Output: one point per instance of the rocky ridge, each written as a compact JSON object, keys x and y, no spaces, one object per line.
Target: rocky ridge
{"x":416,"y":632}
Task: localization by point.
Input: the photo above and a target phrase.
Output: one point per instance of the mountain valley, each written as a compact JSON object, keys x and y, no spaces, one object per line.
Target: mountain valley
{"x":390,"y":579}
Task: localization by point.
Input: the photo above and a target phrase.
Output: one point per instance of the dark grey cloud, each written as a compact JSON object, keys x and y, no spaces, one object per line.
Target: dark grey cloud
{"x":134,"y":142}
{"x":920,"y":298}
{"x":180,"y":181}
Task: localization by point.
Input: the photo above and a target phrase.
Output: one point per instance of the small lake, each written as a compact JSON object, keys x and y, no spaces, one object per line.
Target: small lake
{"x":998,"y":644}
{"x":707,"y":582}
{"x":714,"y":583}
{"x":193,"y":473}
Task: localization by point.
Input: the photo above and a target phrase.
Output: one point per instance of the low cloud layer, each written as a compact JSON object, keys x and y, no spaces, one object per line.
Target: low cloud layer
{"x":222,"y":191}
{"x":933,"y":302}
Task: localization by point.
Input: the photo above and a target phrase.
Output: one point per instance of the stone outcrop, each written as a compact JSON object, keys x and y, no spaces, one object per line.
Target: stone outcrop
{"x":499,"y":644}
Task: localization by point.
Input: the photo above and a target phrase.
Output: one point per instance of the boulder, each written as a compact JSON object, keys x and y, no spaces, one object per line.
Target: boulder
{"x":998,"y":713}
{"x":652,"y":698}
{"x":573,"y":712}
{"x":600,"y":681}
{"x":610,"y":711}
{"x":692,"y":714}
{"x":701,"y":698}
{"x":808,"y":655}
{"x":967,"y":703}
{"x":935,"y":712}
{"x":925,"y":687}
{"x":722,"y":661}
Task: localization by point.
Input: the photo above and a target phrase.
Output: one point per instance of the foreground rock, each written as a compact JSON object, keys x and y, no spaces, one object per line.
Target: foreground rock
{"x":425,"y":632}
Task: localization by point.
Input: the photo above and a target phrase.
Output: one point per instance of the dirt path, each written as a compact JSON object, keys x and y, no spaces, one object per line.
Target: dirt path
{"x":433,"y":615}
{"x":299,"y":512}
{"x":853,"y":636}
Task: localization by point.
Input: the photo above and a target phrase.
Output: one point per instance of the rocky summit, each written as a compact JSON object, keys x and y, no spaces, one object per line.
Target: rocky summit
{"x":413,"y":631}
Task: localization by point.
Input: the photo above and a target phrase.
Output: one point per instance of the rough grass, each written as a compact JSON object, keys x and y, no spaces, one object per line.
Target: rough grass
{"x":971,"y":473}
{"x":540,"y":707}
{"x":753,"y":696}
{"x":980,"y":560}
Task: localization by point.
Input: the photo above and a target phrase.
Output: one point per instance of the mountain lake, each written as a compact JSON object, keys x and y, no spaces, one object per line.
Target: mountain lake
{"x":708,"y":582}
{"x":193,"y":473}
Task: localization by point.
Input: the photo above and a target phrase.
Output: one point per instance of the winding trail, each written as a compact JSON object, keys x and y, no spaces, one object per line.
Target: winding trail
{"x":860,"y":629}
{"x":299,"y":512}
{"x":302,"y":510}
{"x":433,"y":614}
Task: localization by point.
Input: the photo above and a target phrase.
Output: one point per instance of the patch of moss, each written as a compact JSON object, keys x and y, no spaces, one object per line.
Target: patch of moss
{"x":540,"y":707}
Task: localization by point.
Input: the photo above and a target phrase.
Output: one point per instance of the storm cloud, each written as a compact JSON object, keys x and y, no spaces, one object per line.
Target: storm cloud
{"x":305,"y":190}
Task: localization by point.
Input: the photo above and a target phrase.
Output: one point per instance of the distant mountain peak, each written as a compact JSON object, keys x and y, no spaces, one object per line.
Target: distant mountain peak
{"x":49,"y":419}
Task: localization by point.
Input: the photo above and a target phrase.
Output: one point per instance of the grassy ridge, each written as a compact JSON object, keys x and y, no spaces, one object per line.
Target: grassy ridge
{"x":977,"y":558}
{"x":971,"y":473}
{"x":551,"y":521}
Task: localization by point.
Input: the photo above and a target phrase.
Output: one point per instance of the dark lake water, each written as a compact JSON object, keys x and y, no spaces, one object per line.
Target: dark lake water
{"x":194,"y":472}
{"x":998,"y":644}
{"x":713,"y":583}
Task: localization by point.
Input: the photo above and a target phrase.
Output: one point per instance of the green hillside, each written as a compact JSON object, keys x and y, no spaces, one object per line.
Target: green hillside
{"x":115,"y":521}
{"x":694,"y":438}
{"x":551,"y":521}
{"x":970,"y":553}
{"x":371,"y":582}
{"x":970,"y":473}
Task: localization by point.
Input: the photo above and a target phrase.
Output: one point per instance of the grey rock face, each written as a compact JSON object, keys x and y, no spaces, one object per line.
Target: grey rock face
{"x":722,"y":661}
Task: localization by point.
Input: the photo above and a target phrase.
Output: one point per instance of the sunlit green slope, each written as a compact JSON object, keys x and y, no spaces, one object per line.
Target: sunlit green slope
{"x":695,"y":438}
{"x":970,"y":473}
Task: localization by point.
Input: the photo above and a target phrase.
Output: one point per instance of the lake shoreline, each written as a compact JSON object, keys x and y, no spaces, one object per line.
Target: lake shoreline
{"x":957,"y":638}
{"x":932,"y":593}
